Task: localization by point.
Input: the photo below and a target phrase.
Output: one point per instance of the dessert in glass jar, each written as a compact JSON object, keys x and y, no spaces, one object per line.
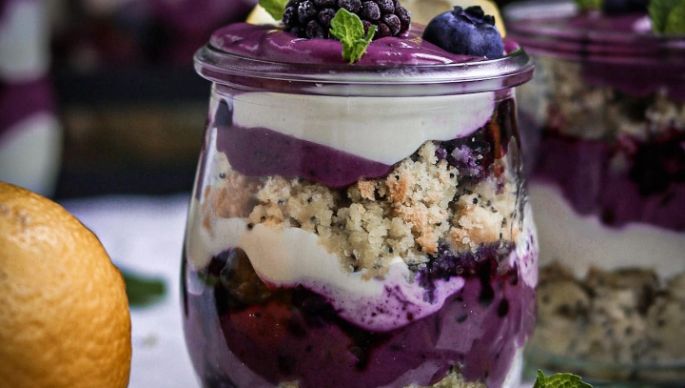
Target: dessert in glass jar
{"x":608,"y":189}
{"x":365,"y":224}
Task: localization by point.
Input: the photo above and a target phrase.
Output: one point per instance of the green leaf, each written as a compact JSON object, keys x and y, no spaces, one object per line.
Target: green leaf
{"x":560,"y":380}
{"x":275,"y":8}
{"x":586,"y":5}
{"x":675,"y":23}
{"x":143,"y":291}
{"x":667,"y":16}
{"x":349,"y":30}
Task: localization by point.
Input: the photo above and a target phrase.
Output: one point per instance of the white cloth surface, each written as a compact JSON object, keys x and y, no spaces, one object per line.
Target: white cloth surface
{"x":145,"y":235}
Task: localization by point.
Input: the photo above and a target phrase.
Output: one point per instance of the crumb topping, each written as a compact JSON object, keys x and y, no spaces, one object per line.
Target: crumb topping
{"x":577,"y":109}
{"x":626,"y":315}
{"x":408,"y":214}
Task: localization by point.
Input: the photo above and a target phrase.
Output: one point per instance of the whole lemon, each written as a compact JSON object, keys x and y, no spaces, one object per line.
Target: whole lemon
{"x":64,"y":318}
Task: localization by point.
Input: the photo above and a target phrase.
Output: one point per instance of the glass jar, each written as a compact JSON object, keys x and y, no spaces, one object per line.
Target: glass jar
{"x":608,"y":191}
{"x":359,"y":226}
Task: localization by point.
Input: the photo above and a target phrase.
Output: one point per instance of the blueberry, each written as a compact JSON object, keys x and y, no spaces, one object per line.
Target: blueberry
{"x":617,"y":7}
{"x":466,"y":31}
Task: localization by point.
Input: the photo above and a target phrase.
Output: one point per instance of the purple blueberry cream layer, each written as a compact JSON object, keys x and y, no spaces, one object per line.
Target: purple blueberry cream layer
{"x":608,"y":189}
{"x":359,"y":241}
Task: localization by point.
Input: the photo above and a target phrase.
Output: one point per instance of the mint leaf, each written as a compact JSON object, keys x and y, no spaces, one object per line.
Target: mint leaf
{"x":275,"y":8}
{"x":349,"y":30}
{"x":560,"y":380}
{"x":359,"y":48}
{"x":142,"y":291}
{"x":667,"y":17}
{"x":675,"y":23}
{"x":586,"y":5}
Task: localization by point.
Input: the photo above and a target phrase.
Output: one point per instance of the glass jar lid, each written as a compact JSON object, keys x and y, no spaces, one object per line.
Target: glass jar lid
{"x":215,"y":63}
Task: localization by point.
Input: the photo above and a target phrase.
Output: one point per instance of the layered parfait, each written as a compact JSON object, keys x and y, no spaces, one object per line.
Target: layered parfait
{"x":608,"y":188}
{"x":360,"y":218}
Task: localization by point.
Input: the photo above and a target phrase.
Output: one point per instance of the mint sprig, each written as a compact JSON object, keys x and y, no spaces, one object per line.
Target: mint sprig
{"x":275,"y":8}
{"x":349,"y":30}
{"x":588,"y":5}
{"x":560,"y":380}
{"x":668,"y":16}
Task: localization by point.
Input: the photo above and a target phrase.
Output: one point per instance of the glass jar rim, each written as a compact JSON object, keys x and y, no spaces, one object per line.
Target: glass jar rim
{"x":236,"y":70}
{"x":575,"y":42}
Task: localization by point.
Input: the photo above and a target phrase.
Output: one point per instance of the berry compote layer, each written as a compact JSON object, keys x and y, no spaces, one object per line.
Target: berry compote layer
{"x":608,"y":189}
{"x":358,"y":241}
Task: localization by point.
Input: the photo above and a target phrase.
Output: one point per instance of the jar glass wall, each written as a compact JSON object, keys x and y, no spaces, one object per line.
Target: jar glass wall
{"x":608,"y":191}
{"x":359,"y":226}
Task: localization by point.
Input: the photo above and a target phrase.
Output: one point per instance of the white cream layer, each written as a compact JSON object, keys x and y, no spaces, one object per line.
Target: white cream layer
{"x":583,"y":241}
{"x":292,"y":256}
{"x":381,"y":129}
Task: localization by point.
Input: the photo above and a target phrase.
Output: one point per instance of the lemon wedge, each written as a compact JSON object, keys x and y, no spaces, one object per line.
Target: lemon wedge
{"x":258,"y":15}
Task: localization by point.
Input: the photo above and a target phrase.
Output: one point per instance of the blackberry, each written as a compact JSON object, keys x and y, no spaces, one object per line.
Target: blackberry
{"x":312,"y":18}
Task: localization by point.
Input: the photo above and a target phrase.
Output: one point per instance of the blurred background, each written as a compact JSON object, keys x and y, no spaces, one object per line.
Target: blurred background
{"x":100,"y":96}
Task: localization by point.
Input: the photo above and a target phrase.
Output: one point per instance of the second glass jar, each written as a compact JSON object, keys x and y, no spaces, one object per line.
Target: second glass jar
{"x":608,"y":191}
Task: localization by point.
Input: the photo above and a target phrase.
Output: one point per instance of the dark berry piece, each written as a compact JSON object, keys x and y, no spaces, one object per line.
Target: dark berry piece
{"x":351,"y":5}
{"x":465,"y":31}
{"x":386,"y":6}
{"x":290,"y":16}
{"x":489,"y":19}
{"x":475,"y":12}
{"x":403,"y":14}
{"x":370,"y":11}
{"x":306,"y":11}
{"x":324,"y":17}
{"x":617,"y":7}
{"x":393,"y":23}
{"x":367,"y":25}
{"x":297,"y":31}
{"x":383,"y":30}
{"x":324,"y":3}
{"x":314,"y":30}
